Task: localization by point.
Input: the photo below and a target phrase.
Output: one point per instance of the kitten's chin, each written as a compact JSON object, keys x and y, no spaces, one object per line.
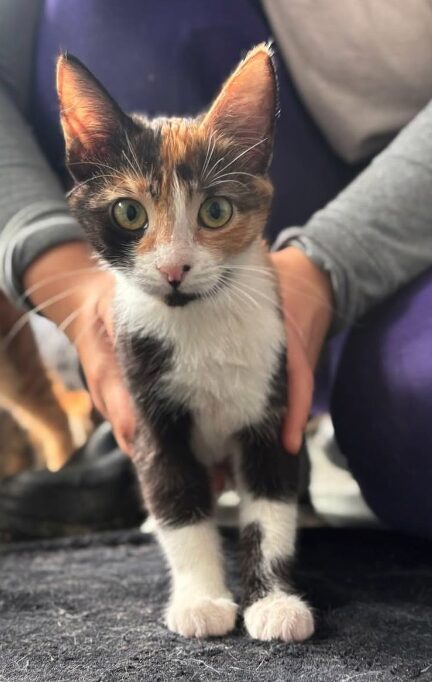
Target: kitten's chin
{"x":173,"y":299}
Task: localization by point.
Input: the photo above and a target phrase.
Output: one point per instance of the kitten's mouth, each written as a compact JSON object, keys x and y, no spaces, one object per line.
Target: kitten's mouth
{"x":178,"y":299}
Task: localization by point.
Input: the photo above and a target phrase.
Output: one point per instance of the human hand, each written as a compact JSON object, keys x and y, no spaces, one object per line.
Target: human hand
{"x":65,"y":283}
{"x":85,"y":314}
{"x":308,"y":306}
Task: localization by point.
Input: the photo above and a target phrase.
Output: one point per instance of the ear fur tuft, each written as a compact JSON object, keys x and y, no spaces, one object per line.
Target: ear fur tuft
{"x":247,"y":106}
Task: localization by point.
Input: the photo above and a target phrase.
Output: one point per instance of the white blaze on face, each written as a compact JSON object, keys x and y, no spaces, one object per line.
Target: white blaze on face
{"x":176,"y":246}
{"x":178,"y":250}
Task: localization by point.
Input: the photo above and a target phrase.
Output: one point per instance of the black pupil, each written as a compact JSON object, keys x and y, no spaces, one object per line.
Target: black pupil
{"x":215,"y":210}
{"x":131,"y":212}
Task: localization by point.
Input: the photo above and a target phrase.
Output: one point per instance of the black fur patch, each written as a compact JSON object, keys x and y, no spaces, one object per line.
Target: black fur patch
{"x":268,"y":470}
{"x":176,"y":486}
{"x":185,"y":171}
{"x":146,"y":360}
{"x":145,"y":141}
{"x":116,"y":246}
{"x":255,"y":583}
{"x":278,"y":396}
{"x":177,"y":299}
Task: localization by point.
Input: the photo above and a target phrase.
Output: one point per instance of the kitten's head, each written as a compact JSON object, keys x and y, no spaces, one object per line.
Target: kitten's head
{"x":173,"y":204}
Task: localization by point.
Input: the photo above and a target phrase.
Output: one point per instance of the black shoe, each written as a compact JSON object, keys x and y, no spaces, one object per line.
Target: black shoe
{"x":97,"y":490}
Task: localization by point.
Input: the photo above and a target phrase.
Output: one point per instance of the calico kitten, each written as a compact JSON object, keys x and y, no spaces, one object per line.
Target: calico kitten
{"x":175,"y":208}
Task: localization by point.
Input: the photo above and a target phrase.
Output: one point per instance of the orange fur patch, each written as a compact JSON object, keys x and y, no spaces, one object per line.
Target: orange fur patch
{"x":127,"y":184}
{"x":236,"y":236}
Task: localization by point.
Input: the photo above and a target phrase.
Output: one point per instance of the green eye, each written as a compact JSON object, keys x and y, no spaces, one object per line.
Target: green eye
{"x":215,"y":212}
{"x":129,"y":214}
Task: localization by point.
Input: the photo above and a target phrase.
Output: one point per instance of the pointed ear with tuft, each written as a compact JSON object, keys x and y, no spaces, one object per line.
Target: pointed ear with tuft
{"x":90,"y":118}
{"x":247,"y":107}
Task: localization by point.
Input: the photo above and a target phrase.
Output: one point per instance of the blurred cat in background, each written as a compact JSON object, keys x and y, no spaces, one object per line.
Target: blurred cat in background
{"x":41,"y":421}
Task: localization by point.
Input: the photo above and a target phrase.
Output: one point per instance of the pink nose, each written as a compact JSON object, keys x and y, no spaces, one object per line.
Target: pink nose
{"x":174,"y":274}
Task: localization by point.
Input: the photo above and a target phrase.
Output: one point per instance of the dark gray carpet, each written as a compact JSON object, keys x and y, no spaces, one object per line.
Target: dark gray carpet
{"x":91,"y":610}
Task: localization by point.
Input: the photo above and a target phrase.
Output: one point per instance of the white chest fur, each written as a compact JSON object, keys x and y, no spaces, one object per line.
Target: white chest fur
{"x":225,"y":353}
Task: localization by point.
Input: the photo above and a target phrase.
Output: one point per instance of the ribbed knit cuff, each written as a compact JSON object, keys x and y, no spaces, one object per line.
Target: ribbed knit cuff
{"x":29,"y":233}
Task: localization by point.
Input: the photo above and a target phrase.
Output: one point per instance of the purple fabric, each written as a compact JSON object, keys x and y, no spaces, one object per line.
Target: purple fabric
{"x":382,"y":408}
{"x":170,"y":57}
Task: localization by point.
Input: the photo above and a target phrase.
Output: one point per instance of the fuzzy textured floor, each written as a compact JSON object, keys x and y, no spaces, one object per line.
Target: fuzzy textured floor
{"x":90,"y":610}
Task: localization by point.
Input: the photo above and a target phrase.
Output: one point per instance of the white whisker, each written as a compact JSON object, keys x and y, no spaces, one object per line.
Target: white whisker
{"x":244,"y":293}
{"x":133,"y":162}
{"x":25,"y":319}
{"x":223,"y":182}
{"x":86,"y":329}
{"x":214,"y":165}
{"x":53,"y":278}
{"x":93,"y":177}
{"x":208,"y":153}
{"x":99,"y":164}
{"x":221,"y":175}
{"x":72,"y":317}
{"x":239,"y":156}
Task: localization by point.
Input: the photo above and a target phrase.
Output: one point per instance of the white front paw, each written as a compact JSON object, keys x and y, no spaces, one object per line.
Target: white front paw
{"x":204,"y":617}
{"x":279,"y":616}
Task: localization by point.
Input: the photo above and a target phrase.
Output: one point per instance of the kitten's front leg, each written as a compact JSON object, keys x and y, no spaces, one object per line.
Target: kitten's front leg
{"x":268,"y":517}
{"x":200,"y":605}
{"x":177,"y":491}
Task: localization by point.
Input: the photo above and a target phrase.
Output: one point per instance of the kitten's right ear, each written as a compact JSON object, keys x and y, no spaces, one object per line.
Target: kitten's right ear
{"x":90,"y":118}
{"x":247,"y":107}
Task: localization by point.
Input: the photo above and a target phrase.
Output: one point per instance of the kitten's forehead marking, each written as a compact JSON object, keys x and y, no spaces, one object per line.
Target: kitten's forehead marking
{"x":128,"y":185}
{"x":178,"y":140}
{"x":182,"y":140}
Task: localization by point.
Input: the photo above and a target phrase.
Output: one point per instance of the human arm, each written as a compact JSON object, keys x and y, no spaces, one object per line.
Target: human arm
{"x":361,"y":68}
{"x":372,"y":239}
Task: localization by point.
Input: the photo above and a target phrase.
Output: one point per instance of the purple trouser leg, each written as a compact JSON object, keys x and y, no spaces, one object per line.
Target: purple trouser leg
{"x":382,"y":408}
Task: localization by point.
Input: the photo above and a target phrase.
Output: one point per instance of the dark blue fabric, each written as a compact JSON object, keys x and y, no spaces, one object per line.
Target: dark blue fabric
{"x":171,"y":57}
{"x":382,"y":408}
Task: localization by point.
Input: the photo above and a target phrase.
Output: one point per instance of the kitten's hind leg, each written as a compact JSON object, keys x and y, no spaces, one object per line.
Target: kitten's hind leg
{"x":177,"y":492}
{"x":268,"y":518}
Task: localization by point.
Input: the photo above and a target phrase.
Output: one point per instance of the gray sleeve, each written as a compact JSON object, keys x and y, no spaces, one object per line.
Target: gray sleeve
{"x":377,"y":234}
{"x":33,"y":212}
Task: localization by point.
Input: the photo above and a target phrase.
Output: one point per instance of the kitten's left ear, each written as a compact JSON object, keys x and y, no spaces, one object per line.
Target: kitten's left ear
{"x":90,"y":118}
{"x":247,"y":106}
